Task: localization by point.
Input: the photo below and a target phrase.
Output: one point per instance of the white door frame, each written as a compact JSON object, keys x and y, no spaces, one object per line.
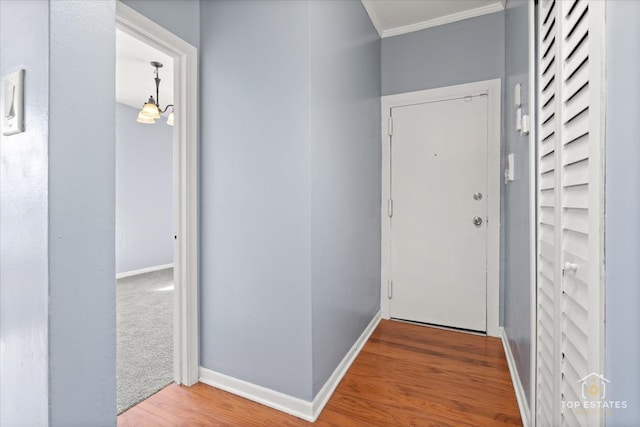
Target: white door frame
{"x":529,"y":419}
{"x":492,"y":88}
{"x":185,"y":184}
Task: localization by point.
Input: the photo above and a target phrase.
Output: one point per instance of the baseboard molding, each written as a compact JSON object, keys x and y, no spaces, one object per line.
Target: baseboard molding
{"x":297,"y":407}
{"x":330,"y":386}
{"x":265,"y":396}
{"x":521,"y":397}
{"x":142,"y":271}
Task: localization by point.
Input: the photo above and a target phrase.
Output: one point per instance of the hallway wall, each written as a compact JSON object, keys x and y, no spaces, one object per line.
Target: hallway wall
{"x":290,"y":206}
{"x":181,"y":17}
{"x":622,"y":238}
{"x":24,"y":276}
{"x":57,"y":217}
{"x":144,"y":192}
{"x":255,"y":290}
{"x":345,"y":180}
{"x":460,"y":52}
{"x":517,"y":287}
{"x":82,"y":371}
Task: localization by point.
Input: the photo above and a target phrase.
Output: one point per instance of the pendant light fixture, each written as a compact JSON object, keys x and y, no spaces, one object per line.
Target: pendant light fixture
{"x":151,"y":110}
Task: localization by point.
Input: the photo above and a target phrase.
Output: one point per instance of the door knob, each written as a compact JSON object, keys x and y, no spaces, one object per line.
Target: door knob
{"x":570,"y":266}
{"x":477,"y":220}
{"x":477,"y":196}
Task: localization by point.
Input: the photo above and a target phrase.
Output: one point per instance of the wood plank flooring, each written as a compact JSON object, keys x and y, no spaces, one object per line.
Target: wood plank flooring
{"x":406,"y":375}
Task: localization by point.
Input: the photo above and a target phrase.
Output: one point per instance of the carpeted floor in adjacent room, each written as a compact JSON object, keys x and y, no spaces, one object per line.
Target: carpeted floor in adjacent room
{"x":145,"y":336}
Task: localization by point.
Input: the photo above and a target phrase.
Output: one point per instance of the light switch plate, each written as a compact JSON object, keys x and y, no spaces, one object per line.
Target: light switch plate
{"x":510,"y":169}
{"x":526,"y":124}
{"x":13,"y":103}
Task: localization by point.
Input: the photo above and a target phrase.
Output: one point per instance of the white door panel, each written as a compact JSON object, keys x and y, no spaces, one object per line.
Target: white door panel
{"x":570,"y":323}
{"x":438,"y":255}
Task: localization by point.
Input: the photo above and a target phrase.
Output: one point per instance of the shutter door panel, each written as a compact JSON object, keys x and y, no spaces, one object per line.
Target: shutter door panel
{"x":580,"y":133}
{"x":548,"y":162}
{"x":569,"y":208}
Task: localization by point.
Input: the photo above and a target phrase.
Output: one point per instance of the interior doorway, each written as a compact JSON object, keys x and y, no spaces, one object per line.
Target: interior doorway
{"x":441,"y":207}
{"x":144,"y":221}
{"x":184,"y":182}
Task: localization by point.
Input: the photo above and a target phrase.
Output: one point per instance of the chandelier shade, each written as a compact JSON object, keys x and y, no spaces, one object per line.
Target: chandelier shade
{"x":144,"y":119}
{"x":170,"y":118}
{"x":151,"y":110}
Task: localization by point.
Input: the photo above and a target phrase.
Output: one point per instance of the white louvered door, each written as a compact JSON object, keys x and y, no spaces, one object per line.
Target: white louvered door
{"x":548,"y":357}
{"x":570,"y":209}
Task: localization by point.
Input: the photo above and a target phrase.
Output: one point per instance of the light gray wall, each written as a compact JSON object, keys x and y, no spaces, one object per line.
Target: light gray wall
{"x":345,"y":179}
{"x":24,"y":287}
{"x":181,"y":17}
{"x":255,"y":193}
{"x":290,"y":193}
{"x":144,"y":190}
{"x":82,"y":345}
{"x":517,"y":300}
{"x":460,"y":52}
{"x":622,"y":335}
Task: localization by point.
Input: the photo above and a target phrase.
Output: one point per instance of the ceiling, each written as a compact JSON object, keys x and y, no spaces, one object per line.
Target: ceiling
{"x":394,"y":17}
{"x":134,"y":74}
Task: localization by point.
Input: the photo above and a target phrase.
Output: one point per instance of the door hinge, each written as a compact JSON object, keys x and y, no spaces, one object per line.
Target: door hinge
{"x":390,"y":289}
{"x":390,"y":208}
{"x":390,"y":126}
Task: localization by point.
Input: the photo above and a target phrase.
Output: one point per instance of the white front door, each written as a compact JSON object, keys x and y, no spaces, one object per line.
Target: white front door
{"x":439,"y":213}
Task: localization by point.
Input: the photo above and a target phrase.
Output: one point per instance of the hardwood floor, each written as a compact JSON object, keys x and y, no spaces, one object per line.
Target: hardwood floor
{"x":406,"y":375}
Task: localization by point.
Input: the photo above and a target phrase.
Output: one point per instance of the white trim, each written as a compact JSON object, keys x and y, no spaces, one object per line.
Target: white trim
{"x":274,"y":399}
{"x":142,"y":271}
{"x":533,"y":213}
{"x":330,"y":386}
{"x":492,"y":88}
{"x":185,"y":183}
{"x":309,"y":411}
{"x":597,"y":224}
{"x":525,"y":413}
{"x":373,"y":16}
{"x":442,"y":20}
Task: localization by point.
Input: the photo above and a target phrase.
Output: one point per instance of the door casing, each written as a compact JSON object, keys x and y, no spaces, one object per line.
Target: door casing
{"x":185,"y":185}
{"x":492,"y":88}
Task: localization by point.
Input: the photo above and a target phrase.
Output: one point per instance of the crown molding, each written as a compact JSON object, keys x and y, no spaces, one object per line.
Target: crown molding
{"x":447,"y":19}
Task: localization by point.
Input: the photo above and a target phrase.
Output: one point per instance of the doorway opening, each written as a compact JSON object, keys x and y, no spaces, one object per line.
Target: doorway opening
{"x":172,"y":286}
{"x":144,"y":223}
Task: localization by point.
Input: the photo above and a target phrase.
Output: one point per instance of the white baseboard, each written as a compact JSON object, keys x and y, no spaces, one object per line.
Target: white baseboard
{"x":521,"y":397}
{"x":300,"y":408}
{"x":329,"y":387}
{"x":143,"y":270}
{"x":265,"y":396}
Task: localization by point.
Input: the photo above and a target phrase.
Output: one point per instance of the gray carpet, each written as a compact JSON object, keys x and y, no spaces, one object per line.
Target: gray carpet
{"x":145,"y":336}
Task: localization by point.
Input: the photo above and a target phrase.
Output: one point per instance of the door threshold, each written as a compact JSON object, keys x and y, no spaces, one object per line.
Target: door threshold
{"x":446,"y":328}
